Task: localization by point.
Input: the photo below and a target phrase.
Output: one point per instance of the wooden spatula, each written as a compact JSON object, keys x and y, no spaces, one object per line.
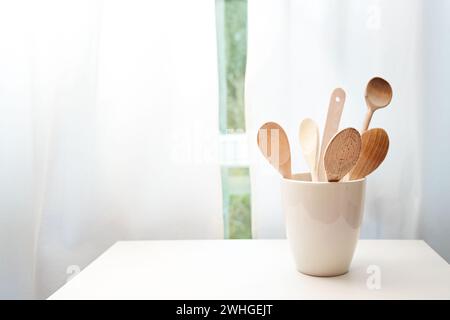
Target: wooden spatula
{"x":342,"y":154}
{"x":335,"y":108}
{"x":374,"y":147}
{"x":274,"y":145}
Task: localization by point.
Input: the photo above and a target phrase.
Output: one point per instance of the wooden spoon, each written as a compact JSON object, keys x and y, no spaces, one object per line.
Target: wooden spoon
{"x":378,"y":95}
{"x":342,"y":153}
{"x":309,"y":143}
{"x":331,"y":125}
{"x":274,"y":145}
{"x":374,"y":147}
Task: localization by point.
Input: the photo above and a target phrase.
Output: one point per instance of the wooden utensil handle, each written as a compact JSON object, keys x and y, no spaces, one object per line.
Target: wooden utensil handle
{"x":367,"y":119}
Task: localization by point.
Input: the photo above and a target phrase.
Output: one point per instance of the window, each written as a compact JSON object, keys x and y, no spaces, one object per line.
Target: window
{"x":231,"y":20}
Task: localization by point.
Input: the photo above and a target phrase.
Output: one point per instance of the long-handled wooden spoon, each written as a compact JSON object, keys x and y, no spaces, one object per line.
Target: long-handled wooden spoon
{"x":378,"y":95}
{"x":342,"y":153}
{"x":375,"y":145}
{"x":309,"y":143}
{"x":274,"y":145}
{"x":335,"y":108}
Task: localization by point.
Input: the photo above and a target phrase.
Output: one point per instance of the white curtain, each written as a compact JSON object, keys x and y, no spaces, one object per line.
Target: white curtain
{"x":108,"y":131}
{"x":298,"y":51}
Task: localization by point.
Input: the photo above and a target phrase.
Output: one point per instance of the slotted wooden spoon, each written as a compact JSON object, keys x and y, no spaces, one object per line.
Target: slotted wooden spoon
{"x":342,"y":154}
{"x":274,"y":145}
{"x":374,"y":148}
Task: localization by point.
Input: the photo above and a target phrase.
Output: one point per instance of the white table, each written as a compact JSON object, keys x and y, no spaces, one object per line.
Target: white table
{"x":256,"y":269}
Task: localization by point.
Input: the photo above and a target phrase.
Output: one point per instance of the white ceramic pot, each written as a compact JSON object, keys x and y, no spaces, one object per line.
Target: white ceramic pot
{"x":323,"y":220}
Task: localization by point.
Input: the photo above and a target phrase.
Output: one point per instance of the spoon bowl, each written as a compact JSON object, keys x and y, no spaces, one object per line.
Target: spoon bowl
{"x":342,"y":154}
{"x":378,"y":95}
{"x":274,"y":145}
{"x":374,"y":148}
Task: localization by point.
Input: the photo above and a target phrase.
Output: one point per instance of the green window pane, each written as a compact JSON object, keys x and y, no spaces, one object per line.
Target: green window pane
{"x":231,"y":21}
{"x":236,"y":202}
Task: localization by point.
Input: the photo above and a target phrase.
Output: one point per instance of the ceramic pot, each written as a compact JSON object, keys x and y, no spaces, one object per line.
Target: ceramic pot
{"x":323,"y":222}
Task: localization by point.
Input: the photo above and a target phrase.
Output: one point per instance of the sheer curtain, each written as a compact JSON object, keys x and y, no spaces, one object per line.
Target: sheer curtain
{"x":298,"y":51}
{"x":108,"y":131}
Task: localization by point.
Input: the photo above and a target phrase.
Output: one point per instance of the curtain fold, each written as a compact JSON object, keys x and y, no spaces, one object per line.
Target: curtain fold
{"x":298,"y":51}
{"x":109,"y":132}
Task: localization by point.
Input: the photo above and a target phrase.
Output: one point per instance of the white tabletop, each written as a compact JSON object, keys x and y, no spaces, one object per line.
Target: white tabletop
{"x":256,"y":269}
